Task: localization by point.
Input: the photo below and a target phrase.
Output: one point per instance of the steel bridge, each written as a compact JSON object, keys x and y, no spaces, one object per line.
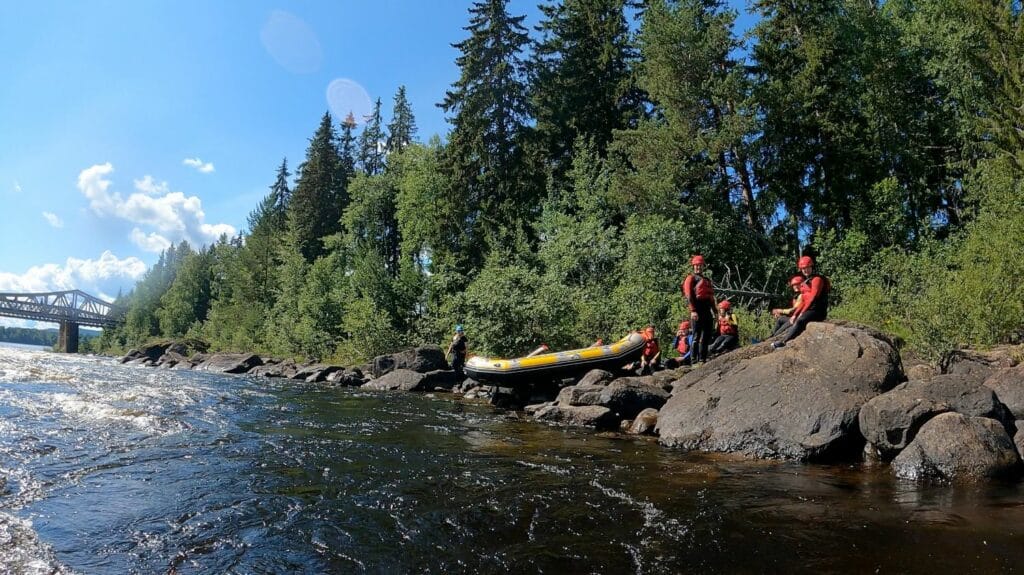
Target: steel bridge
{"x":70,"y":309}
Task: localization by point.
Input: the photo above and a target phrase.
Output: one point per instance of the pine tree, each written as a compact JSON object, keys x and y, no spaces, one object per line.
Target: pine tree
{"x":371,"y":141}
{"x":489,"y":110}
{"x":402,"y":129}
{"x":347,"y":147}
{"x":320,"y":193}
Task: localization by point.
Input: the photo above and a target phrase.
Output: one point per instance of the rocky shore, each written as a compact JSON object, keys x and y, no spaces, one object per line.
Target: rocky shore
{"x":839,"y":392}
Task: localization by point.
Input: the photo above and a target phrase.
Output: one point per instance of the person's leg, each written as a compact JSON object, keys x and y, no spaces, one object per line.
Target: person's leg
{"x":780,"y":325}
{"x":457,"y":363}
{"x":799,"y":325}
{"x":716,"y":346}
{"x":706,"y":320}
{"x":731,"y":342}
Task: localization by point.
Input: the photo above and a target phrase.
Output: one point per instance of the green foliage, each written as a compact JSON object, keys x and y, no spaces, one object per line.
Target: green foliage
{"x":320,"y":194}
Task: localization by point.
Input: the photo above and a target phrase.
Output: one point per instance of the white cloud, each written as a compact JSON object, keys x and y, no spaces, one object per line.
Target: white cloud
{"x":53,"y":219}
{"x":17,"y":187}
{"x":153,"y":242}
{"x":198,"y":164}
{"x":171,"y":216}
{"x":92,"y":276}
{"x":147,"y":185}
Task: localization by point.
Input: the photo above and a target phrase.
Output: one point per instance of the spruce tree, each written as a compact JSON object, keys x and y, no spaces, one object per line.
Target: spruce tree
{"x":402,"y":129}
{"x":488,"y":109}
{"x":347,"y":147}
{"x":371,"y":142}
{"x":320,"y":193}
{"x":582,"y":77}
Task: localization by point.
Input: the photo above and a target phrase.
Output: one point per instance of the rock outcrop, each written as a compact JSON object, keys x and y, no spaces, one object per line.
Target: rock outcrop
{"x":229,"y":363}
{"x":592,"y":416}
{"x":421,"y":360}
{"x":959,"y":448}
{"x":409,"y":380}
{"x":1008,"y":385}
{"x":890,"y":421}
{"x":799,"y":402}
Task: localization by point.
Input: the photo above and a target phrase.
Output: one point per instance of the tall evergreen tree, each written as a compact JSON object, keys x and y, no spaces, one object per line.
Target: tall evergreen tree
{"x":488,"y":109}
{"x":320,"y":193}
{"x":402,"y":129}
{"x":347,"y":147}
{"x":371,"y":143}
{"x":582,"y":77}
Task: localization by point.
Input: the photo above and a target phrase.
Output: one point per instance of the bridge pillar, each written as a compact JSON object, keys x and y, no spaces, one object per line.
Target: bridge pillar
{"x":67,"y":339}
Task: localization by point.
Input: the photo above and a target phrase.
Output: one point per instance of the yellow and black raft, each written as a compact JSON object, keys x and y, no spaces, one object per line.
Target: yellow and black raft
{"x":555,"y":365}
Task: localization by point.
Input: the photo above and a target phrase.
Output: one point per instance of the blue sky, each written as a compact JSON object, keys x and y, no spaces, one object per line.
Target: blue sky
{"x":126,"y":125}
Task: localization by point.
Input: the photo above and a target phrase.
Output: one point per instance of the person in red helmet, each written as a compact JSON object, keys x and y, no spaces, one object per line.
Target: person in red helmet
{"x":728,"y":330}
{"x":652,"y":352}
{"x":700,"y":298}
{"x":682,"y":342}
{"x":782,"y":315}
{"x":813,"y":302}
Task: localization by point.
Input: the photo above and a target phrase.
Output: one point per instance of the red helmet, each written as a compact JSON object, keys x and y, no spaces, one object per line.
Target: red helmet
{"x":796,"y":280}
{"x":684,"y":325}
{"x":724,"y":304}
{"x":805,"y":262}
{"x":695,"y":260}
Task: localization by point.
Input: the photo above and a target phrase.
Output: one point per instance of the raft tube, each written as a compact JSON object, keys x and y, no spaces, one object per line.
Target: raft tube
{"x":556,"y":365}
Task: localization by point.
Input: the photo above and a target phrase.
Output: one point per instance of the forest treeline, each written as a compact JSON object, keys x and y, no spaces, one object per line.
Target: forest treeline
{"x":589,"y":157}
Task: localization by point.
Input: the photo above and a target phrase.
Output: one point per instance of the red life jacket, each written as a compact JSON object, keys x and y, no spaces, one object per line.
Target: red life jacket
{"x":651,"y":348}
{"x":726,"y":328}
{"x":682,"y":346}
{"x":697,"y":288}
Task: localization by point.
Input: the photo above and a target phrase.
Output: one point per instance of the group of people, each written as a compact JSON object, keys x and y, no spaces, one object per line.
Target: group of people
{"x":712,"y":328}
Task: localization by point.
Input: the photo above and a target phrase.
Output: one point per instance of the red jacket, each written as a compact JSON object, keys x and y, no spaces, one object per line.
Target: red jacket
{"x":697,"y":288}
{"x":727,"y":325}
{"x":815,"y":296}
{"x":651,"y":349}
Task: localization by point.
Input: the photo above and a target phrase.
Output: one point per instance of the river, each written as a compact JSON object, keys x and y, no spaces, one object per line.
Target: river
{"x":113,"y":469}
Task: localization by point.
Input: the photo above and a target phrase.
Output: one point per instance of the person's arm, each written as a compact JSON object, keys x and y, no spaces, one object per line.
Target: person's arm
{"x":689,"y":292}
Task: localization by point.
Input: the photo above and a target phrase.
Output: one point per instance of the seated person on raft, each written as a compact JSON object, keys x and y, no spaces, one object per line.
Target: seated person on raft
{"x":813,"y":302}
{"x":650,"y":358}
{"x":728,"y":331}
{"x":782,"y":315}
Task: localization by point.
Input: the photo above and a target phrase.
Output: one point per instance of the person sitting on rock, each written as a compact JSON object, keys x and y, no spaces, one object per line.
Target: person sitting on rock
{"x":700,"y":298}
{"x":681,"y":342}
{"x":457,"y":350}
{"x":652,"y":352}
{"x":813,"y":302}
{"x":782,"y":315}
{"x":728,"y":330}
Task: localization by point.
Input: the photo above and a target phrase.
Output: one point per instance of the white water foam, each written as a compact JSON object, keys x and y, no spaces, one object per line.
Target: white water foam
{"x":21,"y":551}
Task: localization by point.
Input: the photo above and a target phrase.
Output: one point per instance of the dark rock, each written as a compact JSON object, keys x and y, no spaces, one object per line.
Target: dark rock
{"x":509,"y":397}
{"x":151,"y":352}
{"x":346,"y":377}
{"x":626,"y":396}
{"x":229,"y":363}
{"x":284,"y":369}
{"x":172,"y":358}
{"x":421,"y":359}
{"x":316,"y":373}
{"x":1008,"y":384}
{"x":132,"y":355}
{"x":596,"y":377}
{"x":592,"y":416}
{"x":644,"y":423}
{"x":798,"y":402}
{"x":891,"y":420}
{"x":920,"y":371}
{"x":398,"y":380}
{"x":444,"y":378}
{"x":956,"y":447}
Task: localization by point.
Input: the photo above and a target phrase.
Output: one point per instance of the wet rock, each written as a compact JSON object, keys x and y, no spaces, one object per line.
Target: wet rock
{"x":799,"y":402}
{"x":443,"y":378}
{"x":172,"y":359}
{"x":229,"y":363}
{"x":592,"y":416}
{"x":421,"y":359}
{"x":151,"y":352}
{"x":596,"y":377}
{"x":285,"y":369}
{"x":509,"y":397}
{"x":397,"y":380}
{"x":532,"y":410}
{"x":644,"y":423}
{"x":625,"y":396}
{"x":316,"y":373}
{"x":348,"y":378}
{"x":956,"y":447}
{"x":891,"y":420}
{"x":1008,"y":385}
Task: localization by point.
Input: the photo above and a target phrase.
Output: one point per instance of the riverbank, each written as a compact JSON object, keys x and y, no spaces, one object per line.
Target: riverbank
{"x":841,"y":392}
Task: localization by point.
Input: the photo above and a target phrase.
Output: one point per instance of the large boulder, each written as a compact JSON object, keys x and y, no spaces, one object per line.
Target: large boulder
{"x":1019,"y":438}
{"x":1008,"y":384}
{"x":596,"y":377}
{"x":229,"y":362}
{"x":956,"y":447}
{"x":285,"y":369}
{"x":644,"y":423}
{"x":592,"y":416}
{"x":409,"y":380}
{"x":891,"y":420}
{"x":626,"y":397}
{"x":798,"y":402}
{"x":316,"y":373}
{"x":421,"y":360}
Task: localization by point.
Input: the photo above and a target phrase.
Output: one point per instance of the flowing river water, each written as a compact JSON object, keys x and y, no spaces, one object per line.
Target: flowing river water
{"x":113,"y":469}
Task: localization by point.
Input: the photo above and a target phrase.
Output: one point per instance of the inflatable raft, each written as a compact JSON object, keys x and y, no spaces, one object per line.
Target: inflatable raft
{"x":555,"y":365}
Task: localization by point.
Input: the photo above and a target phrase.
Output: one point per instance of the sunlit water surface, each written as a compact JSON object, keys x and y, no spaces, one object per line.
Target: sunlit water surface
{"x":113,"y":469}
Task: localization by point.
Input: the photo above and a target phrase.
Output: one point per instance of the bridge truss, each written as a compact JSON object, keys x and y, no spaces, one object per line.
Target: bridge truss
{"x":74,"y":306}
